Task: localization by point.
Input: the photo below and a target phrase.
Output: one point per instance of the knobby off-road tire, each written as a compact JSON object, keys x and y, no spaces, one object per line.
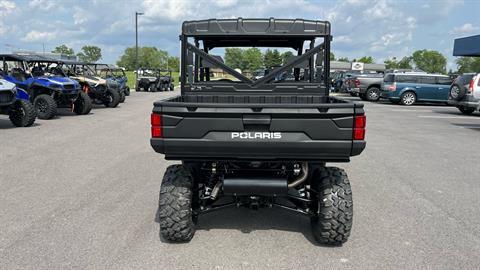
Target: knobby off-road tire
{"x":112,"y":99}
{"x":334,"y":206}
{"x":172,"y":87}
{"x":83,"y":104}
{"x":122,"y":97}
{"x":127,"y":91}
{"x":45,"y":106}
{"x":175,"y":205}
{"x":152,"y":88}
{"x":23,"y":114}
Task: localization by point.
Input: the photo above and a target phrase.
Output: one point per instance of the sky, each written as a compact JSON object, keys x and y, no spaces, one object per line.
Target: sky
{"x":378,"y":28}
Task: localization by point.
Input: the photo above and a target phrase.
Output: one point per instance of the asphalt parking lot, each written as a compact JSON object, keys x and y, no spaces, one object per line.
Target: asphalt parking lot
{"x":82,"y":192}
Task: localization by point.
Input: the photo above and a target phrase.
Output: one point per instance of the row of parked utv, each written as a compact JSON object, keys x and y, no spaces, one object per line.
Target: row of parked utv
{"x":34,"y":86}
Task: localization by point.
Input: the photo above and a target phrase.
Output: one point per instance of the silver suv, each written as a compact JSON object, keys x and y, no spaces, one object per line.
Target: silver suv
{"x":465,"y":93}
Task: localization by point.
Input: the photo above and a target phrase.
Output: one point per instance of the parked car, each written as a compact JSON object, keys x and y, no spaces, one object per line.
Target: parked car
{"x":342,"y":80}
{"x":366,"y":86}
{"x":15,"y":102}
{"x":48,"y":90}
{"x":465,"y":93}
{"x":408,"y":88}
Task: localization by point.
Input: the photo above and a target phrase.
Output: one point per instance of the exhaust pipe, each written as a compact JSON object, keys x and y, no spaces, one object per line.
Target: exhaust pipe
{"x":301,"y":178}
{"x":255,"y":186}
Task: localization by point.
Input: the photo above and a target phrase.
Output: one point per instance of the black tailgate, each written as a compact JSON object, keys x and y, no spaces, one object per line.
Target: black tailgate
{"x":257,"y":131}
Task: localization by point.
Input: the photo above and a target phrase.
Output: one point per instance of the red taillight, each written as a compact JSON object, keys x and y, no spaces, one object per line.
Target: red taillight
{"x":470,"y":85}
{"x":357,"y":82}
{"x":392,"y":87}
{"x":156,"y":121}
{"x":360,"y":122}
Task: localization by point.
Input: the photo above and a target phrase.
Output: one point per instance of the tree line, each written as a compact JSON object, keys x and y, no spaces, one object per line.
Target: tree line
{"x":148,"y":57}
{"x":430,"y":61}
{"x":252,"y":59}
{"x":88,"y":53}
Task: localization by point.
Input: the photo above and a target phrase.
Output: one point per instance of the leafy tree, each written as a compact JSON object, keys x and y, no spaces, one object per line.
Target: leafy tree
{"x":90,"y":54}
{"x":174,"y":63}
{"x":286,"y":56}
{"x":332,"y":56}
{"x":366,"y":60}
{"x":234,"y":57}
{"x":404,"y":63}
{"x":151,"y":57}
{"x":251,"y":59}
{"x":430,"y":61}
{"x":272,"y":58}
{"x":148,"y":57}
{"x":468,"y":64}
{"x":63,"y":49}
{"x":391,"y":63}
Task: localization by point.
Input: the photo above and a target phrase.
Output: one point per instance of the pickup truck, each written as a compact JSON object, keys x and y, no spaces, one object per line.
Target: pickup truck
{"x":256,"y":143}
{"x":366,"y":86}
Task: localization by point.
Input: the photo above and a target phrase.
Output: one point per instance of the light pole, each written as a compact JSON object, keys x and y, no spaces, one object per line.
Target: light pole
{"x":136,"y":43}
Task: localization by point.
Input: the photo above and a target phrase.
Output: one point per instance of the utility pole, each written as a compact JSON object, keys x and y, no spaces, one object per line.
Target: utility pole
{"x":136,"y":43}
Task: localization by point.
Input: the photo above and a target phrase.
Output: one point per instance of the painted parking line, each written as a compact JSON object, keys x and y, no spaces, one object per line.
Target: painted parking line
{"x":413,"y":110}
{"x":449,"y":117}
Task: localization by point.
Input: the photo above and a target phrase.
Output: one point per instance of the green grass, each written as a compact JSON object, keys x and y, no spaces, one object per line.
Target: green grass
{"x":131,"y":78}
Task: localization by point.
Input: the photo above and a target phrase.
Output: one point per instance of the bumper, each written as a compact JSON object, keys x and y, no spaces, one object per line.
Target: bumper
{"x":184,"y":149}
{"x":388,"y":95}
{"x":353,"y":90}
{"x":468,"y":102}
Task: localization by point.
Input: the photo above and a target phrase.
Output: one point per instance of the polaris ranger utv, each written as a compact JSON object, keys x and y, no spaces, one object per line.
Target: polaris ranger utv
{"x":48,"y":89}
{"x":262,"y":143}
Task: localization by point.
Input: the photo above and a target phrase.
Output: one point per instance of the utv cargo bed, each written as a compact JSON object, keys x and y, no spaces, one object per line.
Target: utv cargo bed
{"x":270,"y":127}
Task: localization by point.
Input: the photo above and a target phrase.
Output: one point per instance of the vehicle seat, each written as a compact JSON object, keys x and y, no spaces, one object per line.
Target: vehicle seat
{"x":38,"y":72}
{"x":18,"y":74}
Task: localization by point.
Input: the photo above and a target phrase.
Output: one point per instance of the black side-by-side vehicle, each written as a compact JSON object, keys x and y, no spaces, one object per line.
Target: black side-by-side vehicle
{"x":257,"y":143}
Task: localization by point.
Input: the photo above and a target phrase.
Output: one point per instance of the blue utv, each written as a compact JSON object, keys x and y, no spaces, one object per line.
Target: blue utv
{"x":16,"y":104}
{"x":45,"y":83}
{"x":117,"y":74}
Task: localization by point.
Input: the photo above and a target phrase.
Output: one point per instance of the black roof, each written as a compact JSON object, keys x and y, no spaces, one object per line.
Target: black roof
{"x":256,"y":27}
{"x":255,"y":32}
{"x":27,"y":58}
{"x":467,"y":46}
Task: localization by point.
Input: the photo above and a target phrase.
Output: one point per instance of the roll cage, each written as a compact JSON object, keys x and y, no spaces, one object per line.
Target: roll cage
{"x":198,"y":38}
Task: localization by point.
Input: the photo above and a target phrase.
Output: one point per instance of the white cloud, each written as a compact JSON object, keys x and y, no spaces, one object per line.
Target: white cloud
{"x":226,"y":3}
{"x":465,"y":29}
{"x":45,"y":5}
{"x":6,"y":6}
{"x":342,"y":39}
{"x":34,"y":36}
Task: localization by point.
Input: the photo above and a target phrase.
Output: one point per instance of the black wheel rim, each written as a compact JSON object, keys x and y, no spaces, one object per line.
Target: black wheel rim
{"x":42,"y":106}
